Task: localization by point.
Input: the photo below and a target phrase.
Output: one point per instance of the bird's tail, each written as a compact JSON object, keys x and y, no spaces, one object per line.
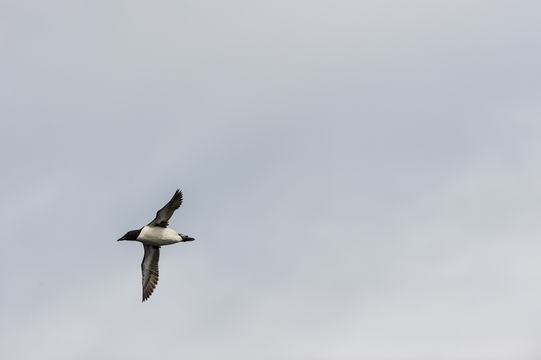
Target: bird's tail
{"x":186,"y":238}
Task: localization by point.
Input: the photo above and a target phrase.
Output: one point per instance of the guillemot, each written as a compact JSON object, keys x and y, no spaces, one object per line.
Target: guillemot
{"x":153,"y":235}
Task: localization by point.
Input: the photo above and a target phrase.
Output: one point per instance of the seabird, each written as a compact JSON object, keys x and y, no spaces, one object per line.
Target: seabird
{"x":153,"y":235}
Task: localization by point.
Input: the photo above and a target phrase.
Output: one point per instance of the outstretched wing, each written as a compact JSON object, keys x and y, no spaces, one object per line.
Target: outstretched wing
{"x":149,"y":268}
{"x":164,"y":214}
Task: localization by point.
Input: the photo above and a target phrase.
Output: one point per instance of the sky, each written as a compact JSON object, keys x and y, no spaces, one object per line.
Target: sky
{"x":361,"y":178}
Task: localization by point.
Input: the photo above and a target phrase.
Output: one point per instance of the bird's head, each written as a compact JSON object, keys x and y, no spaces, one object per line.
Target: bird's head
{"x":130,"y":235}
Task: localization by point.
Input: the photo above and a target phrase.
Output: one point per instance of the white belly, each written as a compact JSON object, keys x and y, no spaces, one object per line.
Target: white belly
{"x":156,"y":235}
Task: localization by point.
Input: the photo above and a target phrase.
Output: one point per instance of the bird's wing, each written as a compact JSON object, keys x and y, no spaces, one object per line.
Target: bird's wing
{"x":164,"y":214}
{"x":149,"y":268}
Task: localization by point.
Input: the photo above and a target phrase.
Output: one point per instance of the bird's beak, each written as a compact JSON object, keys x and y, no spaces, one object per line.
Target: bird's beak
{"x":120,"y":239}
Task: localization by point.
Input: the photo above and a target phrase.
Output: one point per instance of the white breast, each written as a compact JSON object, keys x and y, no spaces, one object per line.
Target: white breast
{"x":156,"y":235}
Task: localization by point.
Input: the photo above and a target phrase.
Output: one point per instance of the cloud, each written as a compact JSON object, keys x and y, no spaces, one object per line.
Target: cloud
{"x":360,"y":178}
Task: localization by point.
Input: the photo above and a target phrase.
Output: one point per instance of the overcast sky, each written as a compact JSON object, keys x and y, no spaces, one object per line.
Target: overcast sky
{"x":361,"y":177}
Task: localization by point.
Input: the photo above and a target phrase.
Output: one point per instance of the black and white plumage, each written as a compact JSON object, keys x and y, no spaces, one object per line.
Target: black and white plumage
{"x":153,"y":235}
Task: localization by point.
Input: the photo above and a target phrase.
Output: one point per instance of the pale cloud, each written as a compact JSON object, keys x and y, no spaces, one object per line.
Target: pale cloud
{"x":361,"y":179}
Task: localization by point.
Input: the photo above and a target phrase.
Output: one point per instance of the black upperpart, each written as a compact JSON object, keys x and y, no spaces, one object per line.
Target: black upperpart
{"x":131,"y":235}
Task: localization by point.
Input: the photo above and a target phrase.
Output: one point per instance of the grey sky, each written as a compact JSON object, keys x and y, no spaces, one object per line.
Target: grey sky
{"x":361,"y":179}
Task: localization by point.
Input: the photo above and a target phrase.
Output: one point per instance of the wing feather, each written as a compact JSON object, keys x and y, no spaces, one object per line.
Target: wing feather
{"x":164,"y":214}
{"x":149,"y":268}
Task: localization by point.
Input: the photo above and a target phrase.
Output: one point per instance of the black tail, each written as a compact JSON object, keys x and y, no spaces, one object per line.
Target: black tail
{"x":186,"y":238}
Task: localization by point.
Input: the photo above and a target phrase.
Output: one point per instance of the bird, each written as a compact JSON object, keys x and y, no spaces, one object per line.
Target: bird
{"x":154,"y":235}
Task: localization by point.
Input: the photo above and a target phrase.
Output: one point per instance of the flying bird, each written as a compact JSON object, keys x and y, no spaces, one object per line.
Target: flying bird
{"x":153,"y":235}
